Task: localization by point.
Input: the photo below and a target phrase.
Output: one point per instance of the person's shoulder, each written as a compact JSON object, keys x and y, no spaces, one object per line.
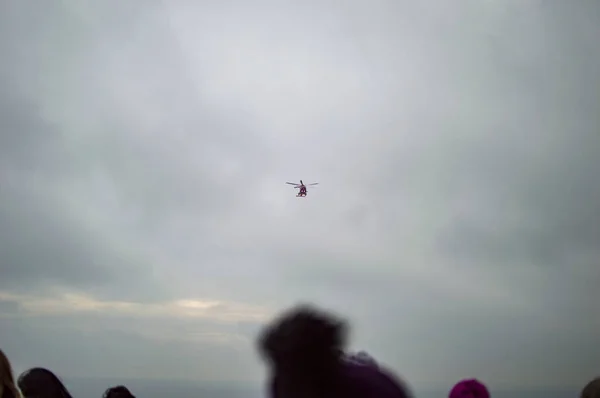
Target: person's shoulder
{"x":374,"y":382}
{"x":361,"y":358}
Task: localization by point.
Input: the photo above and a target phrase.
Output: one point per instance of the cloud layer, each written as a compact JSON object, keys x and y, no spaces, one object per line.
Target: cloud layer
{"x":143,"y":215}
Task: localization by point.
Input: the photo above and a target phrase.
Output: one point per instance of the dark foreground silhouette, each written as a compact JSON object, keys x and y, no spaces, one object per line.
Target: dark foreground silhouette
{"x":469,"y":388}
{"x":592,"y":389}
{"x":42,"y":383}
{"x":118,"y":392}
{"x":305,"y":349}
{"x":8,"y":388}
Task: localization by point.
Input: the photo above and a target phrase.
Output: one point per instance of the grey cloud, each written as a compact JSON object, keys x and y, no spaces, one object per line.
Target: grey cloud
{"x":515,"y":176}
{"x":144,"y":149}
{"x":29,"y":144}
{"x":113,"y":172}
{"x":8,"y":308}
{"x":34,"y":249}
{"x":127,"y":353}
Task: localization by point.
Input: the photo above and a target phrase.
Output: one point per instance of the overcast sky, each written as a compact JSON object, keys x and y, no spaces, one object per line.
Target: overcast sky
{"x":146,"y":230}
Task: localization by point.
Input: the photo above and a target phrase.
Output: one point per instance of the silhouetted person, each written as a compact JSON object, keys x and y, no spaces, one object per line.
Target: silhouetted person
{"x":42,"y":383}
{"x":305,"y":349}
{"x":8,"y":389}
{"x":469,"y":388}
{"x":118,"y":392}
{"x":592,"y":389}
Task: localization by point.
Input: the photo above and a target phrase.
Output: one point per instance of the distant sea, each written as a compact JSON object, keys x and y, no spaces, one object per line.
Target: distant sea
{"x":88,"y":388}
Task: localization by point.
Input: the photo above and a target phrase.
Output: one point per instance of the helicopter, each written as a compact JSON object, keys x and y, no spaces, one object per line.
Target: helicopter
{"x":302,"y":187}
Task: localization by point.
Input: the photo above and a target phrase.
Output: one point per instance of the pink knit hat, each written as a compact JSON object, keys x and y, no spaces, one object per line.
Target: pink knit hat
{"x":469,"y":389}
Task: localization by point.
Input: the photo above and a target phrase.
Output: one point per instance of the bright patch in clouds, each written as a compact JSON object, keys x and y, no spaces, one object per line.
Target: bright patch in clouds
{"x":73,"y":303}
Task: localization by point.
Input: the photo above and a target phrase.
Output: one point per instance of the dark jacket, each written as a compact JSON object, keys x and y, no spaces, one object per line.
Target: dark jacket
{"x":353,"y":381}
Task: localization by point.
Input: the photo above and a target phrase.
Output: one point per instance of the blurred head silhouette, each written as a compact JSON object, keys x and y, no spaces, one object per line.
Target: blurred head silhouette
{"x":305,"y":348}
{"x":7,"y":380}
{"x":469,"y":388}
{"x":118,"y":392}
{"x":42,"y":383}
{"x":592,"y":389}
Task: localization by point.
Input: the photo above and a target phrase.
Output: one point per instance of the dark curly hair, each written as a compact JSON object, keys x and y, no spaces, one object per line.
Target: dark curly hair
{"x":304,"y":348}
{"x":592,"y":389}
{"x":42,"y":383}
{"x":118,"y":392}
